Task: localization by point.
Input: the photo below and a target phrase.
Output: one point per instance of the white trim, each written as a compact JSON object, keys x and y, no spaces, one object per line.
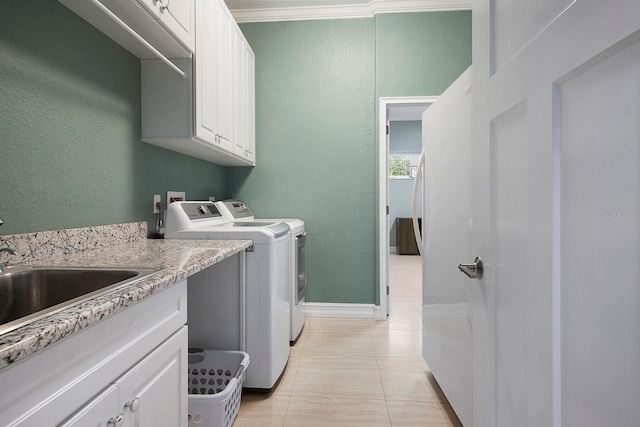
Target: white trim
{"x":354,"y":11}
{"x":408,"y":6}
{"x":304,"y":13}
{"x":353,"y":311}
{"x":383,"y":238}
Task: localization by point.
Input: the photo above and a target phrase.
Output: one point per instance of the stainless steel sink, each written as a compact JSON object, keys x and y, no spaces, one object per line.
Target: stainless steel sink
{"x":30,"y":293}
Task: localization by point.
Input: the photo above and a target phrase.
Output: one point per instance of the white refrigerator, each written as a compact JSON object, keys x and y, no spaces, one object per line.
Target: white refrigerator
{"x":445,"y":164}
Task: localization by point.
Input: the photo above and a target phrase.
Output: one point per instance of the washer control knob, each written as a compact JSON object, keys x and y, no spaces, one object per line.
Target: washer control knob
{"x":202,"y":209}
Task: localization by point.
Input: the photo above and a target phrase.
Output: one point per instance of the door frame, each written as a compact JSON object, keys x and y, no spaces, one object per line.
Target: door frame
{"x":383,"y":236}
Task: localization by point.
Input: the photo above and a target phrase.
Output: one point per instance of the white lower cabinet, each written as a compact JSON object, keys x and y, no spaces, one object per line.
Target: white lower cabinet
{"x":154,"y":392}
{"x":101,"y":411}
{"x":147,"y":395}
{"x":127,"y":370}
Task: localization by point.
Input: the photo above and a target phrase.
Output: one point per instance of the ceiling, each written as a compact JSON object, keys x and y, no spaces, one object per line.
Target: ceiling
{"x":298,"y":10}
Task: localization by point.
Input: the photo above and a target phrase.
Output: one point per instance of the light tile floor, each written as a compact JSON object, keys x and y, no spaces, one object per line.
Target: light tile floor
{"x":353,"y":372}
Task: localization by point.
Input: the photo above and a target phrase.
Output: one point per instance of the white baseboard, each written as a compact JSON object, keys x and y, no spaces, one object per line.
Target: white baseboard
{"x":353,"y":311}
{"x":393,"y":250}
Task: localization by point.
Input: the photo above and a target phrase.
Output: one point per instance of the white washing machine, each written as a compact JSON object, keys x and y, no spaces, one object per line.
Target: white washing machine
{"x":265,"y":328}
{"x":238,"y":211}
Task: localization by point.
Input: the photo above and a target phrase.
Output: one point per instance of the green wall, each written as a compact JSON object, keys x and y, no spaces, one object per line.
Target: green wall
{"x":421,"y":53}
{"x":317,"y":85}
{"x":314,"y":127}
{"x":70,"y":149}
{"x":71,"y":155}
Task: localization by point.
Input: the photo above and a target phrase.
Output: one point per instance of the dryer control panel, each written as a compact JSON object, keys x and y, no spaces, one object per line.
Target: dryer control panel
{"x":238,"y":209}
{"x":200,"y":210}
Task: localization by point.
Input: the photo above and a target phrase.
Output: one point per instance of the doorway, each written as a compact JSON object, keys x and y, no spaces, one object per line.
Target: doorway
{"x":390,"y":109}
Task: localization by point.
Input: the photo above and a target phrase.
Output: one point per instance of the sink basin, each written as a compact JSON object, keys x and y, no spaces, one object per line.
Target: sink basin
{"x":30,"y":293}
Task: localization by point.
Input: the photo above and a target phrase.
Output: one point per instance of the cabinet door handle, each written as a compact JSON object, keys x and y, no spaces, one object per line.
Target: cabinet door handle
{"x":164,"y":5}
{"x":133,"y":405}
{"x":116,"y":421}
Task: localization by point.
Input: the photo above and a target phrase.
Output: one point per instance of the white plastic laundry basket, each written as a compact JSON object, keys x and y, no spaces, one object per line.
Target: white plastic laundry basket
{"x":215,"y":386}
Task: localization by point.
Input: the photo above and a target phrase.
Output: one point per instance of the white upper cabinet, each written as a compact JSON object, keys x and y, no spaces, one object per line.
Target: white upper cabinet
{"x":208,"y":111}
{"x":224,"y":23}
{"x":167,"y":25}
{"x":207,"y":114}
{"x":250,"y":125}
{"x":178,"y":16}
{"x":244,"y":94}
{"x":206,"y":119}
{"x":239,"y":92}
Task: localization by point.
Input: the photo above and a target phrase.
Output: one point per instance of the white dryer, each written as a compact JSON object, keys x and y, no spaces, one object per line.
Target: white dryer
{"x":266,"y":316}
{"x":238,"y":211}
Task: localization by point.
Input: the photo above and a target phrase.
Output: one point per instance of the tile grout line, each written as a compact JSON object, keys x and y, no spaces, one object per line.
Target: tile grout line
{"x":375,"y":353}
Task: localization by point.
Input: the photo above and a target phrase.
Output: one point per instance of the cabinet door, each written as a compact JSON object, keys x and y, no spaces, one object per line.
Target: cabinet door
{"x":224,"y":79}
{"x":98,"y":412}
{"x":239,"y":92}
{"x":154,"y":392}
{"x":250,"y":124}
{"x":244,"y":98}
{"x":178,"y":16}
{"x":206,"y":118}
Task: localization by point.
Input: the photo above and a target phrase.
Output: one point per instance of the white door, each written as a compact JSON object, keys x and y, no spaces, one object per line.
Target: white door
{"x":387,"y":278}
{"x":556,"y":207}
{"x":446,"y":233}
{"x":389,"y":109}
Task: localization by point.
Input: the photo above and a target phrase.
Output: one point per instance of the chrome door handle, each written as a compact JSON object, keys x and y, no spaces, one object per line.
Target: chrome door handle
{"x":133,"y":405}
{"x":473,"y":271}
{"x":116,"y":421}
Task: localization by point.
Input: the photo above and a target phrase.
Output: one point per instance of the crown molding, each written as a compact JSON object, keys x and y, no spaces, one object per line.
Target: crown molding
{"x":369,"y":10}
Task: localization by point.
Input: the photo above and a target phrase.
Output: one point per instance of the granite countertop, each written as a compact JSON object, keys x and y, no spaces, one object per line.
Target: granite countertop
{"x":175,"y":260}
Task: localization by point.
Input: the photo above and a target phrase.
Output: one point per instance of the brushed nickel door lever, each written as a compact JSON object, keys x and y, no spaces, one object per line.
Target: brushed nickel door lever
{"x":473,"y":271}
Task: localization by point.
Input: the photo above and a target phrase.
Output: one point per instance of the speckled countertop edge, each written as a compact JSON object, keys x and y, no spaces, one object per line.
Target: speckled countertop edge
{"x":175,"y":260}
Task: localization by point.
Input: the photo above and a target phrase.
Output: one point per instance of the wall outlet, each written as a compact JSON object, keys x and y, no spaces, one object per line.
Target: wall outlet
{"x":156,"y":203}
{"x":212,"y":199}
{"x":175,"y":196}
